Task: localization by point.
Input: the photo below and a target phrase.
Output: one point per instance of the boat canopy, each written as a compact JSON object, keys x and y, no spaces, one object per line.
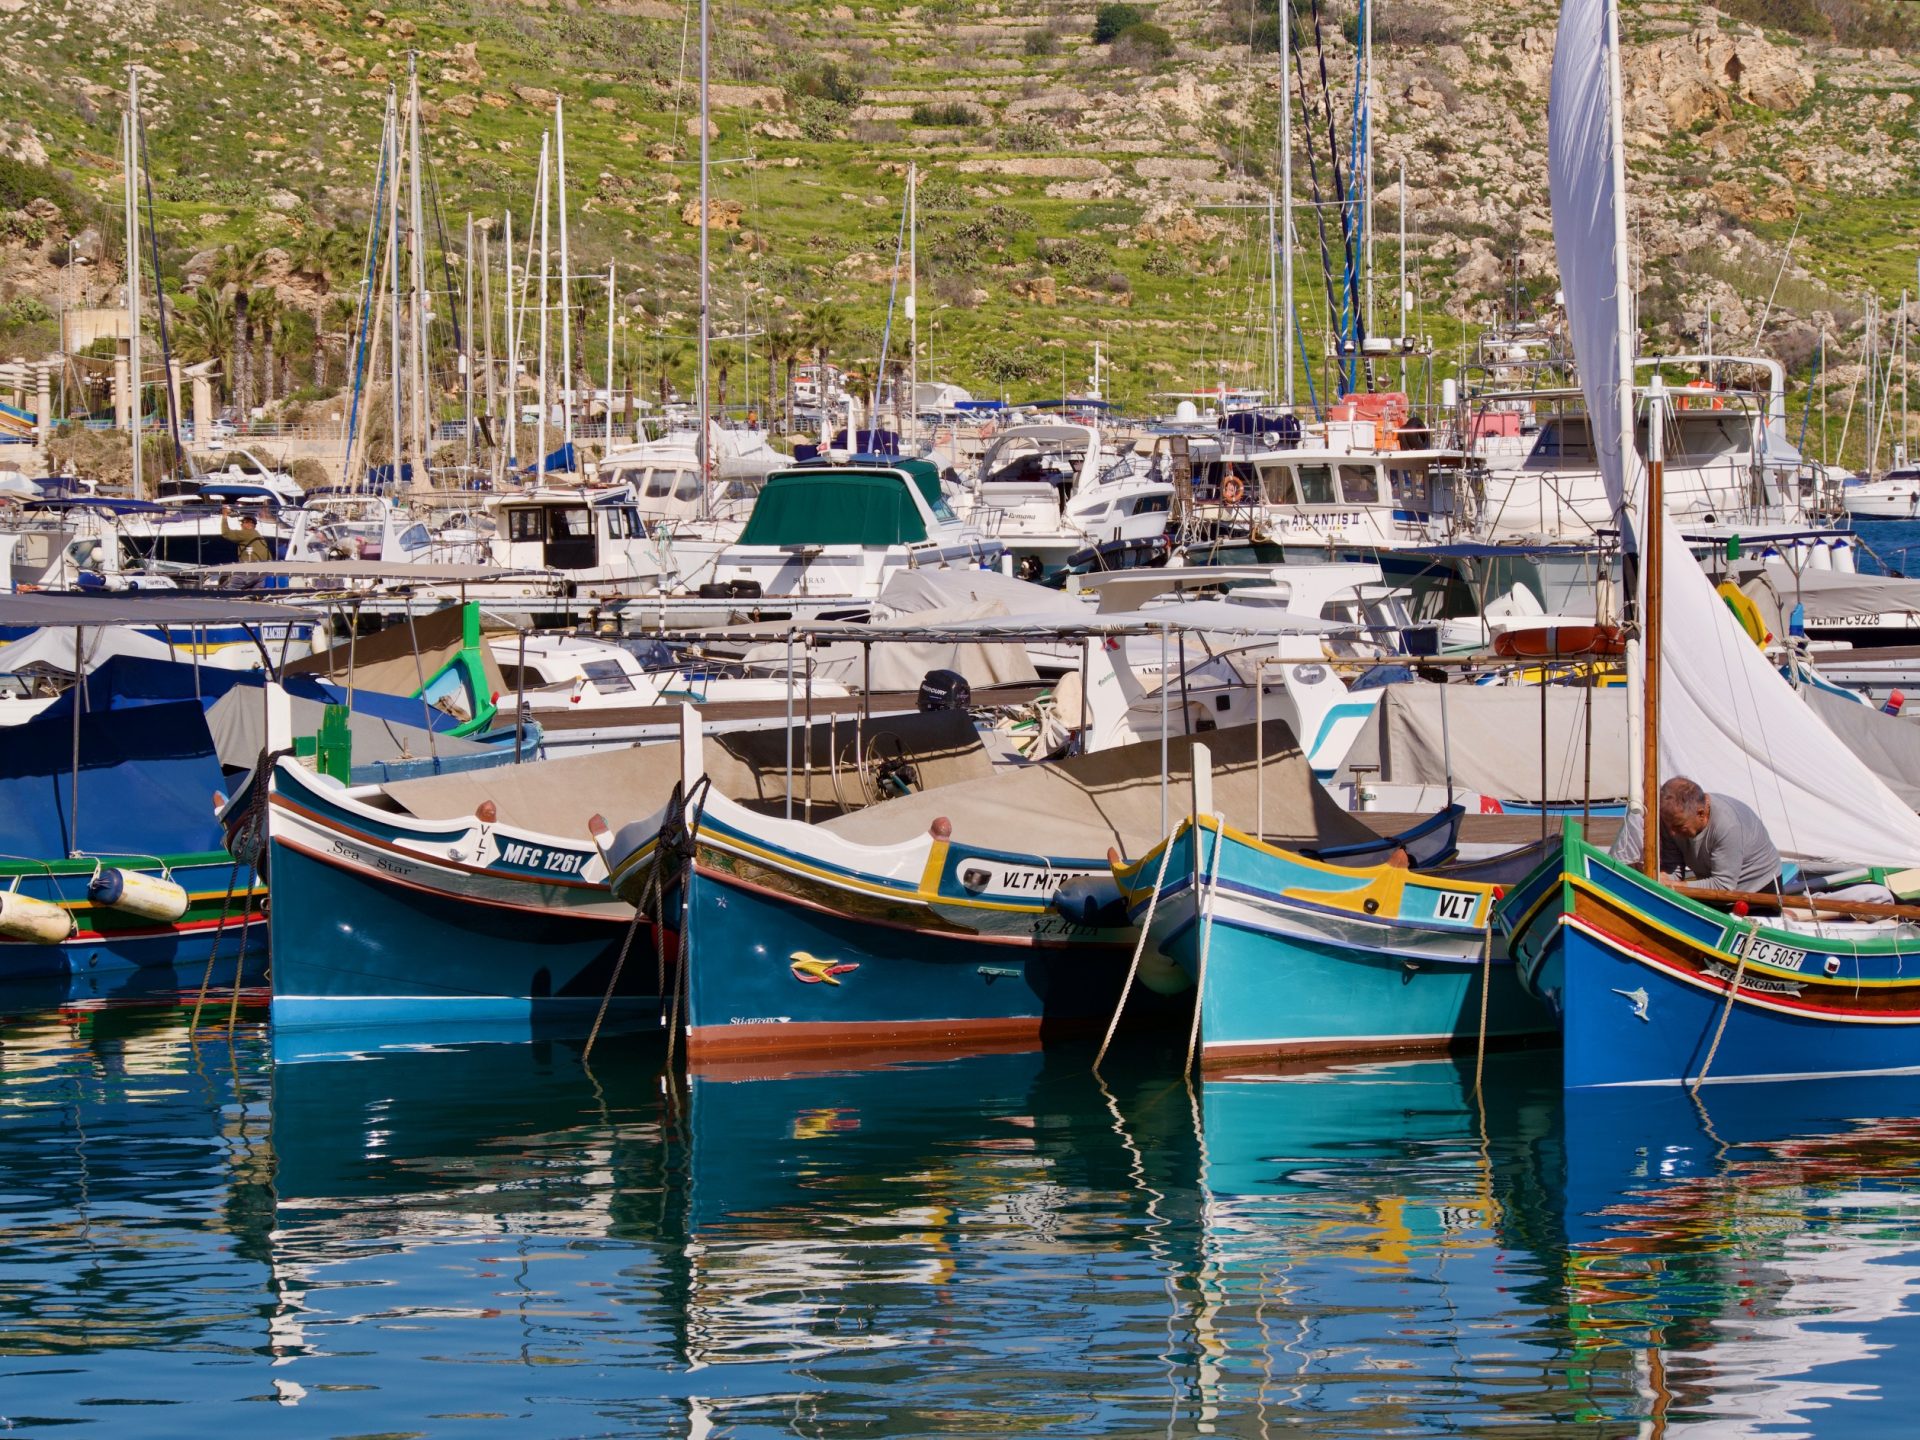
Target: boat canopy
{"x":145,"y":779}
{"x":840,"y":507}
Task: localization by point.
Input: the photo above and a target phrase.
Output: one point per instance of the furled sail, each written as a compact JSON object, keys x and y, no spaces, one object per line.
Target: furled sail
{"x":1727,"y":718}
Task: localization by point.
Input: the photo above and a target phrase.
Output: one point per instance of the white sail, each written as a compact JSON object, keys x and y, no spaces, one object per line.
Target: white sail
{"x":1727,"y":718}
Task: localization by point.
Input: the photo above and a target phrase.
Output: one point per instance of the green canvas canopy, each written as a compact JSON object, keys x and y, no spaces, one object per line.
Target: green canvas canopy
{"x":836,"y":507}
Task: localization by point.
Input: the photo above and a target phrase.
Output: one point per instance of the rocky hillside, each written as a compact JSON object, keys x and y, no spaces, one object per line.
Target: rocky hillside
{"x":1071,"y":191}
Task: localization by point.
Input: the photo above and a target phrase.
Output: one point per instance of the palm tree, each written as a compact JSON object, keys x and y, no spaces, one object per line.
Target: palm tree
{"x":237,"y":271}
{"x":266,"y":312}
{"x":825,"y":329}
{"x":783,"y":348}
{"x":337,"y":324}
{"x":666,"y":360}
{"x":299,"y":337}
{"x":203,"y":327}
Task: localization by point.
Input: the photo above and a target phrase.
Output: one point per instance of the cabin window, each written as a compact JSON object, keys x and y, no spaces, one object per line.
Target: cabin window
{"x":686,"y":485}
{"x":415,"y":537}
{"x":623,"y":521}
{"x":527,"y":524}
{"x":1276,"y":485}
{"x":1316,"y":485}
{"x":1360,"y":484}
{"x":1409,"y":488}
{"x":573,"y":523}
{"x":659,"y":484}
{"x":606,"y":675}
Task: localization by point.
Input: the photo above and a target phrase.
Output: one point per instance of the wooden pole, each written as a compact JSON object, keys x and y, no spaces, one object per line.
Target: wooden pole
{"x":1770,"y":901}
{"x":1651,"y":547}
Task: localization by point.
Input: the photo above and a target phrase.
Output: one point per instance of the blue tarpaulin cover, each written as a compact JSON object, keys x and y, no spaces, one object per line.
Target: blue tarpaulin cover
{"x":147,"y":781}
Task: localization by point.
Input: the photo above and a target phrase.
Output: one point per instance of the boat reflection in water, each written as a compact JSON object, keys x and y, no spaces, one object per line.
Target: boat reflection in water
{"x":411,"y":1238}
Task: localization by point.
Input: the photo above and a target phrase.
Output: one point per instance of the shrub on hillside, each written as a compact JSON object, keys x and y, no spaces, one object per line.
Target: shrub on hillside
{"x":826,"y":81}
{"x":1041,"y":42}
{"x":1143,"y":45}
{"x":1111,"y":21}
{"x":950,"y":113}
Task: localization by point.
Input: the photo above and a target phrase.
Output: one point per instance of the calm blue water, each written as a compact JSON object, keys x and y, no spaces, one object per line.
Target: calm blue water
{"x":1890,"y":544}
{"x":499,"y":1240}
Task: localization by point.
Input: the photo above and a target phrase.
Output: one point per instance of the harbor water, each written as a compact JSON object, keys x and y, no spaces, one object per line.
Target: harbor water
{"x":463,"y":1239}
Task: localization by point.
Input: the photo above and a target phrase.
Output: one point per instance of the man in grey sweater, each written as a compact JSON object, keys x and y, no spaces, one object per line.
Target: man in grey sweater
{"x":1716,"y":839}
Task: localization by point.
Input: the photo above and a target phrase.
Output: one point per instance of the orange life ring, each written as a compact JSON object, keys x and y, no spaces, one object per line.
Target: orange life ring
{"x":1560,"y":642}
{"x":1232,"y":491}
{"x":1706,"y":385}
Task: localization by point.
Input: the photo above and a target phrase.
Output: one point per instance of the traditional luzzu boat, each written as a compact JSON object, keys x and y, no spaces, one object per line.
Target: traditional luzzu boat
{"x":475,"y":896}
{"x":975,"y":912}
{"x":1295,"y":955}
{"x":110,"y":855}
{"x":1639,"y":973}
{"x":1655,"y":985}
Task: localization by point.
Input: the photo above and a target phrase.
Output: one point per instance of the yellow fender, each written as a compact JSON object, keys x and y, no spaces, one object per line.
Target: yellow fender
{"x":1746,"y":612}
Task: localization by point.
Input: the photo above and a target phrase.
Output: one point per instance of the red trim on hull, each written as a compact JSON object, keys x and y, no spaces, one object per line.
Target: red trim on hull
{"x":708,"y":1043}
{"x":1713,"y":985}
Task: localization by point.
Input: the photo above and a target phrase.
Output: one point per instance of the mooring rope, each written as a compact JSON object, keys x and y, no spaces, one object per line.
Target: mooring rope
{"x":1139,"y":948}
{"x":1486,"y":984}
{"x":1206,"y":939}
{"x":246,"y":841}
{"x":1726,"y":1009}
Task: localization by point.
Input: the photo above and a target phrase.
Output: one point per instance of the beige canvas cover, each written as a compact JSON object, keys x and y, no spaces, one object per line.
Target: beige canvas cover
{"x":385,"y":661}
{"x":1078,"y":808}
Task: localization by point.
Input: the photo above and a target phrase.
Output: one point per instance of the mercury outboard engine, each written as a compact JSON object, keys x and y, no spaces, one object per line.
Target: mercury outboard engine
{"x":944,"y":690}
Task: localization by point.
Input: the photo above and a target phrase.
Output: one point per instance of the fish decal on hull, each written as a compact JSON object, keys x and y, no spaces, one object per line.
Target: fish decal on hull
{"x":812,"y":970}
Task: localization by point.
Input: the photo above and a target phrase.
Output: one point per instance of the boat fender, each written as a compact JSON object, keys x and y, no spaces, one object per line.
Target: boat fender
{"x":152,"y":897}
{"x":1092,"y":900}
{"x":38,"y":922}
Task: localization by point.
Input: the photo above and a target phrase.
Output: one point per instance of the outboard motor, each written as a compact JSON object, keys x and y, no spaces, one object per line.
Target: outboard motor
{"x":944,"y":690}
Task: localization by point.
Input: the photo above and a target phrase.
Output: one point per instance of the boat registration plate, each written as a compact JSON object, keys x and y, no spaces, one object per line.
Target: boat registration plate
{"x":1772,"y":952}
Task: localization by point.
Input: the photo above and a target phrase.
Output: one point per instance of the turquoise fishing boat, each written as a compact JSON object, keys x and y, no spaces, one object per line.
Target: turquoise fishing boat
{"x":1293,"y":955}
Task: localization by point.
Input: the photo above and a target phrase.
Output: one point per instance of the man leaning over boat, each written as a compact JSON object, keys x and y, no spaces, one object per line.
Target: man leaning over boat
{"x":1716,"y":839}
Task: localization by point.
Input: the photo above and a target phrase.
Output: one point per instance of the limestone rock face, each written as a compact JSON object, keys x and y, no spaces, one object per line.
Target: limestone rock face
{"x":1676,"y":83}
{"x":721,"y":214}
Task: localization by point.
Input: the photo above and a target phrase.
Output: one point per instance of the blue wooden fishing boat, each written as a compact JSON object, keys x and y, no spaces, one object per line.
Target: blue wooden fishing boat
{"x":110,"y":855}
{"x":984,"y":910}
{"x":1294,"y":955}
{"x":472,"y":896}
{"x":1640,"y":975}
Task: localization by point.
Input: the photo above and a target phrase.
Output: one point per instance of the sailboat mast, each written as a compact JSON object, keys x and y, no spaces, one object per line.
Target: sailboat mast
{"x":486,"y":307}
{"x":704,"y":442}
{"x":397,"y":371}
{"x":1652,"y":547}
{"x":1286,"y":194}
{"x":566,"y":276}
{"x":913,"y":294}
{"x":513,"y":344}
{"x":609,"y":354}
{"x":1273,"y":302}
{"x":546,"y":209}
{"x":133,"y":270}
{"x":416,"y":237}
{"x":466,"y":354}
{"x":1366,"y":156}
{"x":1401,"y":299}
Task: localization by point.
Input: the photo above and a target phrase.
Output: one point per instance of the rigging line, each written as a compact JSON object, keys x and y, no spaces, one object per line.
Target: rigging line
{"x":160,"y":305}
{"x":366,"y":306}
{"x":440,"y":229}
{"x":1313,"y":177}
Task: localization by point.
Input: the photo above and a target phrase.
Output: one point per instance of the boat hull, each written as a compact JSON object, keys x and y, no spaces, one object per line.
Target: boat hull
{"x":106,"y":941}
{"x":357,"y":950}
{"x":1302,"y":958}
{"x":383,"y":918}
{"x":769,"y":972}
{"x":1640,"y":975}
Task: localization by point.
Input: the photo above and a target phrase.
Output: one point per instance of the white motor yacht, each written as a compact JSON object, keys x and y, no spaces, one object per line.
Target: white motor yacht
{"x":1050,"y":489}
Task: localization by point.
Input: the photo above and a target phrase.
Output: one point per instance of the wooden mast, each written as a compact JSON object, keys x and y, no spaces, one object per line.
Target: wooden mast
{"x":1652,"y":544}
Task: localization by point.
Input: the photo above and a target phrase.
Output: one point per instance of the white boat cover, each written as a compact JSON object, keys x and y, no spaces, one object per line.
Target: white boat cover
{"x":1727,"y":718}
{"x":1492,"y":733}
{"x":1829,"y":595}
